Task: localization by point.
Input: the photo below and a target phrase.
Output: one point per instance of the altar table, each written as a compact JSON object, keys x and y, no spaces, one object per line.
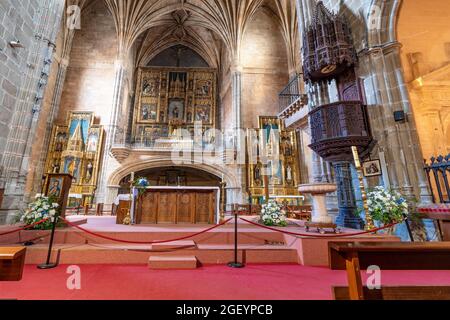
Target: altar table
{"x":178,"y":205}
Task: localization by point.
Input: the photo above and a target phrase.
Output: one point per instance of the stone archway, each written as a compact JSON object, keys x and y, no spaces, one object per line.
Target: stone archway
{"x":233,"y":185}
{"x":382,"y":22}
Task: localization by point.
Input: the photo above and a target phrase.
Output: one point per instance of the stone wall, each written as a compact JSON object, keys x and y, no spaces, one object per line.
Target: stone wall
{"x":424,"y":31}
{"x":265,"y":69}
{"x":16,"y":23}
{"x":425,"y":36}
{"x":34,"y":181}
{"x":89,"y":84}
{"x":24,"y":75}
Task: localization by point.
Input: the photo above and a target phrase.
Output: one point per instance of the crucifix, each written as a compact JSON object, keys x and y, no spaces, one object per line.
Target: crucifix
{"x":179,"y":51}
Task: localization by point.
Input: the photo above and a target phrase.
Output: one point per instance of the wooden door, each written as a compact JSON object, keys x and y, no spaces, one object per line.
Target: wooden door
{"x":186,"y":207}
{"x":149,"y":207}
{"x":204,"y":207}
{"x":167,"y":210}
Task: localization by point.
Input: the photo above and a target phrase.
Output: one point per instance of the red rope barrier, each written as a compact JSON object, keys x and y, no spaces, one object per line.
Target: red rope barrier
{"x":320,"y":236}
{"x":24,"y":228}
{"x":144,"y":242}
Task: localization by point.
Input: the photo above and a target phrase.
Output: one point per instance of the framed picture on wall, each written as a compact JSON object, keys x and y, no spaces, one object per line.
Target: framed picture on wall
{"x":372,"y":168}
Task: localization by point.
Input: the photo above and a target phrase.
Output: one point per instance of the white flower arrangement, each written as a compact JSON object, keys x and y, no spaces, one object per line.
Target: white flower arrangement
{"x":42,"y":208}
{"x":386,"y":206}
{"x":273,"y":215}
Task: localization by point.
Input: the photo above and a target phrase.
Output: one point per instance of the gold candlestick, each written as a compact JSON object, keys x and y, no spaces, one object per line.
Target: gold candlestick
{"x":369,"y":220}
{"x":222,"y":201}
{"x":127,"y":220}
{"x":266,"y":188}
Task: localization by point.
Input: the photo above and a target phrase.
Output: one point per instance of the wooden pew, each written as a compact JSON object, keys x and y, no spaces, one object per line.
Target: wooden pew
{"x":12,"y":260}
{"x":357,"y":256}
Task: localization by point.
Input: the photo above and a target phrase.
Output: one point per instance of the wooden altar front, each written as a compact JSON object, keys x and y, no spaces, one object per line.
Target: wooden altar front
{"x":178,"y":205}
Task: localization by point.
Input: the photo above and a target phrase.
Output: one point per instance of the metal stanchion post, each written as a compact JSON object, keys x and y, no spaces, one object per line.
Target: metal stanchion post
{"x":408,"y":227}
{"x":235,"y":263}
{"x":49,"y":265}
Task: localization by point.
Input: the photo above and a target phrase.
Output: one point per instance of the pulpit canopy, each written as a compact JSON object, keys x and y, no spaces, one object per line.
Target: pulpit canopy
{"x":328,"y":47}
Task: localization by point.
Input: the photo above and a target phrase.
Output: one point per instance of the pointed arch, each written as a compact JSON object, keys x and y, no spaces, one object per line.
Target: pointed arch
{"x":382,"y":22}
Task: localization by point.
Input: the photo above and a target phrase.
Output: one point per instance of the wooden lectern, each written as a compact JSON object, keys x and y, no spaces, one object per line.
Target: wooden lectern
{"x":58,"y":186}
{"x":12,"y":260}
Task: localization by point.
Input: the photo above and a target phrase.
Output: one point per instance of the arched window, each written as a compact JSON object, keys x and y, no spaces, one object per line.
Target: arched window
{"x":178,"y":56}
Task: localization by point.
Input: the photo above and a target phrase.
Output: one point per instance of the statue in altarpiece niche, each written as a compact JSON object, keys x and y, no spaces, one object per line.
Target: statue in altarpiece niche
{"x":89,"y":171}
{"x":287,"y":147}
{"x":270,"y":151}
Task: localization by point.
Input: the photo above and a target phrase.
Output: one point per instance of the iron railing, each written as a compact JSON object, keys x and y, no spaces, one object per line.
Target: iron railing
{"x":437,"y":173}
{"x":291,"y":93}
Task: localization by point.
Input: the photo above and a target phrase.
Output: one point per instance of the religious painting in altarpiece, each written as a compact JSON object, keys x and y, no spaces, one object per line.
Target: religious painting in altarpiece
{"x":272,"y":142}
{"x":76,"y":149}
{"x":173,"y":98}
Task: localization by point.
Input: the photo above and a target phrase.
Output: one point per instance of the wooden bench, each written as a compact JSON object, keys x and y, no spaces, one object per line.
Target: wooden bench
{"x":357,"y":256}
{"x":12,"y":260}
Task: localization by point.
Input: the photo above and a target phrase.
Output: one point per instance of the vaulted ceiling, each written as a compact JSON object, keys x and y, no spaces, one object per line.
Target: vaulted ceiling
{"x":209,"y":27}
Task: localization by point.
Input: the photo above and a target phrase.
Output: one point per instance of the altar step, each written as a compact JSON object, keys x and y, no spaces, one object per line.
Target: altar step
{"x":172,"y":262}
{"x":186,"y":244}
{"x":249,"y":235}
{"x":140,"y":254}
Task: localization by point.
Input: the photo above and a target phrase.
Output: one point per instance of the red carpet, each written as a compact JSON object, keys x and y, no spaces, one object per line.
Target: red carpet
{"x":286,"y":282}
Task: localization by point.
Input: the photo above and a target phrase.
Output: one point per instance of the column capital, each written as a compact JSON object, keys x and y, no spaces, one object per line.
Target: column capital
{"x":383,"y":48}
{"x":235,"y":63}
{"x":236,"y":68}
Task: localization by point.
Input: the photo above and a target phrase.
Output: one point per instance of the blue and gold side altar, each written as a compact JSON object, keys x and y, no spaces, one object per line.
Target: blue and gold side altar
{"x":76,"y":149}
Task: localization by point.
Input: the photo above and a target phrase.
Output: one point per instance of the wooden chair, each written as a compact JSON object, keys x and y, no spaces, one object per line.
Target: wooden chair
{"x":12,"y":260}
{"x":242,"y":209}
{"x":357,"y":256}
{"x":255,"y":209}
{"x":299,"y":212}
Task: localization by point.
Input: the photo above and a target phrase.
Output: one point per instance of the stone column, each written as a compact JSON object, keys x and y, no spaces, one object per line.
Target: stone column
{"x":398,"y":140}
{"x":381,"y":117}
{"x":236,"y":107}
{"x":408,"y":131}
{"x":111,"y":129}
{"x":236,"y":93}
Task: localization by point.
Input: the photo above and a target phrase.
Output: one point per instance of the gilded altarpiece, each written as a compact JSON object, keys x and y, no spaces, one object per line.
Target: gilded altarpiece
{"x":76,"y":149}
{"x":172,"y":98}
{"x":272,"y":142}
